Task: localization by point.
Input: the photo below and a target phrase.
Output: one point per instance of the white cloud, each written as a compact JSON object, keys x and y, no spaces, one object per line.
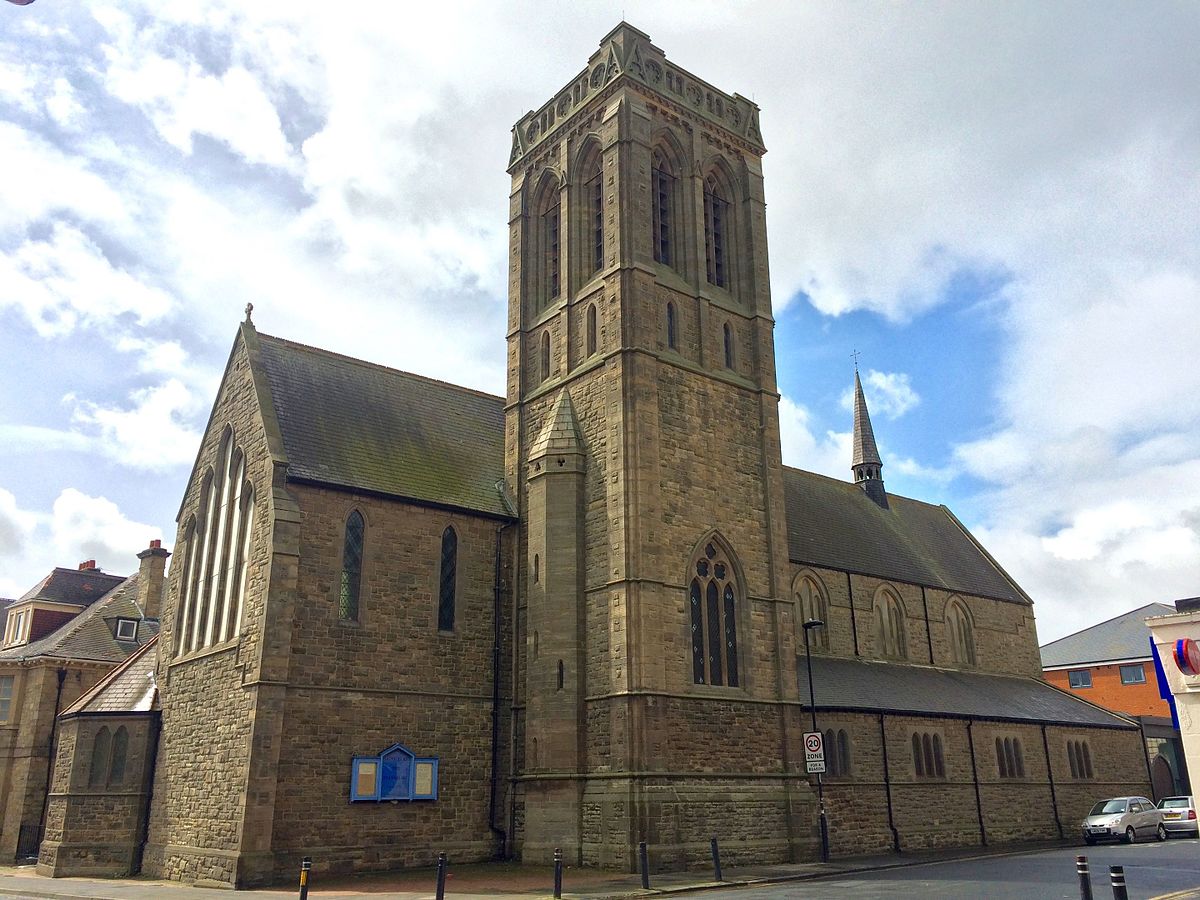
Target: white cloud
{"x":151,"y":434}
{"x":62,"y":105}
{"x":888,"y":393}
{"x":827,"y":454}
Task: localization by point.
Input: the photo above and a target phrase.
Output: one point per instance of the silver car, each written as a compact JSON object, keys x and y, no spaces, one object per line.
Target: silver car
{"x":1179,"y":815}
{"x":1123,"y":818}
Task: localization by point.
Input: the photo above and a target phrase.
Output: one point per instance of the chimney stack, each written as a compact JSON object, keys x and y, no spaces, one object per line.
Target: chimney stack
{"x":88,"y":565}
{"x":151,"y":579}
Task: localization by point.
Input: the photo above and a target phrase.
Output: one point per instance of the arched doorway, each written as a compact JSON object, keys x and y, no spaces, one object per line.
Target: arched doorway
{"x":1162,"y":778}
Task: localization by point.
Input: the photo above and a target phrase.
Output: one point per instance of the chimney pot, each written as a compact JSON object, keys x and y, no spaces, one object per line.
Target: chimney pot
{"x":155,"y":544}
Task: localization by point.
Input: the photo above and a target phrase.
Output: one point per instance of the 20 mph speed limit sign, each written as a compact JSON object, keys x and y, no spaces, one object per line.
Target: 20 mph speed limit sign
{"x":814,"y":752}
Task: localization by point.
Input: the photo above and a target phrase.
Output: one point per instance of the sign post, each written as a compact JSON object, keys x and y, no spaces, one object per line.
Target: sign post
{"x":814,"y":753}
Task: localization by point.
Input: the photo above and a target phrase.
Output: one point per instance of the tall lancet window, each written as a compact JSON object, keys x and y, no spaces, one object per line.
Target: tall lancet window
{"x":662,"y":187}
{"x":891,"y":639}
{"x":713,"y":599}
{"x":810,"y":598}
{"x":548,"y":245}
{"x":350,"y":586}
{"x":962,"y":639}
{"x":448,"y":580}
{"x":716,"y":231}
{"x":594,"y":191}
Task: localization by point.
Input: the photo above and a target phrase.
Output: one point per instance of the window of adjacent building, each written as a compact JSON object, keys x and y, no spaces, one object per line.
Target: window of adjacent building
{"x":962,"y":638}
{"x":350,"y":583}
{"x":448,"y":580}
{"x":811,"y":603}
{"x":1135,"y":674}
{"x":218,"y":553}
{"x":594,"y":190}
{"x":1080,"y":678}
{"x":6,"y":696}
{"x":17,"y":629}
{"x":837,"y":753}
{"x":1010,"y":760}
{"x":672,"y":328}
{"x":1079,"y":758}
{"x":927,"y":755}
{"x":716,"y":237}
{"x":591,"y":329}
{"x":662,"y":187}
{"x":127,"y":629}
{"x":890,"y":636}
{"x":712,"y":598}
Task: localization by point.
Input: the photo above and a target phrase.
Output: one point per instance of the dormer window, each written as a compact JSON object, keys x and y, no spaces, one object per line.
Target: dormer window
{"x":17,"y":631}
{"x":126,"y":629}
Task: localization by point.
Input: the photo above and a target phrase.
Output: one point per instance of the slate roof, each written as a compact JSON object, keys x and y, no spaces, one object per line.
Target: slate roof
{"x":79,"y":586}
{"x":130,"y":687}
{"x":863,"y":449}
{"x":853,"y":684}
{"x":352,"y":424}
{"x":1122,"y":637}
{"x":88,"y":636}
{"x":835,"y":525}
{"x":5,"y":603}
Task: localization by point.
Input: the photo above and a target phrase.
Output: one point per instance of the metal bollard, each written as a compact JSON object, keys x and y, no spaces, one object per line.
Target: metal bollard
{"x":716,"y":855}
{"x":557,"y":872}
{"x":1085,"y":878}
{"x":441,"y":881}
{"x":644,"y":863}
{"x":1117,"y":874}
{"x":305,"y":868}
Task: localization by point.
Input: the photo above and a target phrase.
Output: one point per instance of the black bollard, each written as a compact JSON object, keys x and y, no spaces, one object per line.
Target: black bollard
{"x":1085,"y":878}
{"x":441,"y":883}
{"x":557,"y":872}
{"x":1117,"y":874}
{"x":305,"y":868}
{"x":716,"y":854}
{"x":644,"y":863}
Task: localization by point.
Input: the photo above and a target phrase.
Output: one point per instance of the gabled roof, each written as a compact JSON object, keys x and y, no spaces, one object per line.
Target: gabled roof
{"x":89,"y":636}
{"x":352,"y":424}
{"x":855,"y":684}
{"x":79,"y":586}
{"x":1122,"y":637}
{"x":130,"y":687}
{"x":835,"y":525}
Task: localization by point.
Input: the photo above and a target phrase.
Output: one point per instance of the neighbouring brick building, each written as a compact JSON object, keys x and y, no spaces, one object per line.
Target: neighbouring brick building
{"x":572,"y":616}
{"x":1112,"y":665}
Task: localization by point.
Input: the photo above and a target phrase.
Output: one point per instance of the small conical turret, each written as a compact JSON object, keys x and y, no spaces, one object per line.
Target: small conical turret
{"x":866,"y":464}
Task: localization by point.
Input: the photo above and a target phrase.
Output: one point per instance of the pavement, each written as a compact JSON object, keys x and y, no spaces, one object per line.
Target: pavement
{"x":486,"y":881}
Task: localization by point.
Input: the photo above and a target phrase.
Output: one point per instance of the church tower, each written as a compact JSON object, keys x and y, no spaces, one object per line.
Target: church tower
{"x":655,"y":661}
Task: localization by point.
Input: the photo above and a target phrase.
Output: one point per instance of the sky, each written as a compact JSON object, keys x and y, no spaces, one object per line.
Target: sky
{"x":996,"y":204}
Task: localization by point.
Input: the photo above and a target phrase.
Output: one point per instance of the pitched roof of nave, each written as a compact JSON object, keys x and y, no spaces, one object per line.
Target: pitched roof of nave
{"x":89,"y":636}
{"x":833,"y":524}
{"x":1122,"y":637}
{"x":899,"y":688}
{"x":353,"y":424}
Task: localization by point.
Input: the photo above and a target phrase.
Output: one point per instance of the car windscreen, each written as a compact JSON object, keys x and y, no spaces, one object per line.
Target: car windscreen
{"x":1175,"y":803}
{"x":1108,"y":806}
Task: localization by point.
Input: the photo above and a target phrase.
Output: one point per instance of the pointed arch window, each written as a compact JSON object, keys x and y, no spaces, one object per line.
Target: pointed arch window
{"x":548,"y":245}
{"x":837,"y":753}
{"x":891,"y":639}
{"x":811,"y":603}
{"x":448,"y":579}
{"x":928,"y":761}
{"x":1010,"y":759}
{"x":544,"y":357}
{"x":594,"y":192}
{"x":672,"y":327}
{"x":1079,"y":755}
{"x":962,"y":638}
{"x":716,"y":236}
{"x":712,"y":600}
{"x":101,"y":758}
{"x":350,"y":586}
{"x":591,"y":329}
{"x":218,"y":544}
{"x":120,"y":752}
{"x":728,"y":338}
{"x":662,"y":188}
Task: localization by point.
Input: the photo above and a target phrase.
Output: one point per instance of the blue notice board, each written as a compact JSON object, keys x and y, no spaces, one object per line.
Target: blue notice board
{"x":395,"y":774}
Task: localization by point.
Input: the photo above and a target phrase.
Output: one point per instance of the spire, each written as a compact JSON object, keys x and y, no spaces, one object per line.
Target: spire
{"x":866,"y":464}
{"x":560,"y":434}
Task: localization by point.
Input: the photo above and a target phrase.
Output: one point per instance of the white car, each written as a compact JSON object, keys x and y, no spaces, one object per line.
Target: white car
{"x":1179,"y":815}
{"x":1123,"y":819}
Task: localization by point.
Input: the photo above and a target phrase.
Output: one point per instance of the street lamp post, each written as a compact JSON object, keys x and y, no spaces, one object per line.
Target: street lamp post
{"x":809,"y":625}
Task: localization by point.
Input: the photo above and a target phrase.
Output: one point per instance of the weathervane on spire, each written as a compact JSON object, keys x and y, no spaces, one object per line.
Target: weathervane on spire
{"x":855,"y":354}
{"x":249,"y":309}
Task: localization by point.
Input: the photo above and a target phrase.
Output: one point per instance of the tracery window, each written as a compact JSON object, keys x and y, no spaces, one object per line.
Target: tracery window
{"x":962,"y":638}
{"x":448,"y":579}
{"x":1010,"y":760}
{"x":1079,"y":756}
{"x":811,"y":603}
{"x":713,"y":598}
{"x":890,"y":637}
{"x":662,"y":187}
{"x":716,"y":225}
{"x":350,"y":583}
{"x":927,"y":755}
{"x":837,"y":753}
{"x":594,"y":191}
{"x":218,"y":552}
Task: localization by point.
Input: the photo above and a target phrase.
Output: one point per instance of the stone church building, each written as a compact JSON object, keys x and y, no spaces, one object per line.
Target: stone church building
{"x":405,"y":617}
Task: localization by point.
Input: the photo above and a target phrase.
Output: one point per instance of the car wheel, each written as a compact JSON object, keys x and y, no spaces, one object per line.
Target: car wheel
{"x":1161,"y":834}
{"x":1091,"y":842}
{"x":1129,"y":835}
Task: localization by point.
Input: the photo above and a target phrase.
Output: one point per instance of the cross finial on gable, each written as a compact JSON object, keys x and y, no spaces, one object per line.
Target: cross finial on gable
{"x":249,"y":309}
{"x":855,"y":354}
